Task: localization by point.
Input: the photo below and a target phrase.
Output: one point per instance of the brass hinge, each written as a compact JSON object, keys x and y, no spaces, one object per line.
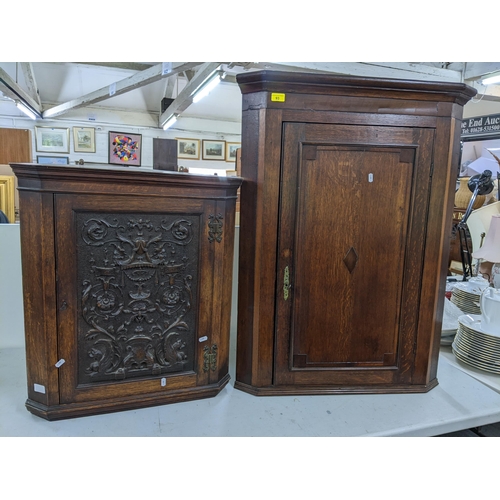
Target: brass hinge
{"x":286,"y":283}
{"x":210,"y":358}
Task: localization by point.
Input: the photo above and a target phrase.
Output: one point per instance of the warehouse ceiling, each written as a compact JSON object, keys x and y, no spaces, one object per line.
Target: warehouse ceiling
{"x":54,"y":89}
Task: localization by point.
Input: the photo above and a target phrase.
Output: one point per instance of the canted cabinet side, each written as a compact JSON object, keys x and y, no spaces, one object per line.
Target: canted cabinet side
{"x":345,"y":208}
{"x":139,"y":275}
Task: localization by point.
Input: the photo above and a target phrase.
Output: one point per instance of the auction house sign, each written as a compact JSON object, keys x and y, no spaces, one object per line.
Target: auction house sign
{"x":481,"y":125}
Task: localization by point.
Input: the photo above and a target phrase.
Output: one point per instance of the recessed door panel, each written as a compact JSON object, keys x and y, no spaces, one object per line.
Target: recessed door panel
{"x":345,"y":227}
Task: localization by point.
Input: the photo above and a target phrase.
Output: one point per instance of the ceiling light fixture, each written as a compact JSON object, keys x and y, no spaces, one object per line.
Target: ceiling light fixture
{"x":170,"y":121}
{"x":495,"y":78}
{"x":207,"y":86}
{"x":27,"y":111}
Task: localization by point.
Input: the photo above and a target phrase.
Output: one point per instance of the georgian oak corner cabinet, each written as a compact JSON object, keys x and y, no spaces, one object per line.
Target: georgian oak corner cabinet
{"x":127,"y":286}
{"x":346,"y":210}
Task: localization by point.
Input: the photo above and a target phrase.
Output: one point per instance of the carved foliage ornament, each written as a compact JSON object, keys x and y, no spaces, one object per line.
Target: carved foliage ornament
{"x":139,"y":277}
{"x":215,"y":228}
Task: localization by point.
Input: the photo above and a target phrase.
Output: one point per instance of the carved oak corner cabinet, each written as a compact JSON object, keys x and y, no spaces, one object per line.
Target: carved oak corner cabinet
{"x":127,"y":286}
{"x":346,"y":208}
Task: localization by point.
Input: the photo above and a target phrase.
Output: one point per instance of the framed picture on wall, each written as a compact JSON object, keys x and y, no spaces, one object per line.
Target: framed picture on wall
{"x":231,"y":148}
{"x":52,"y":139}
{"x":188,"y":149}
{"x":52,"y":160}
{"x":214,"y":150}
{"x":125,"y":149}
{"x":84,"y":139}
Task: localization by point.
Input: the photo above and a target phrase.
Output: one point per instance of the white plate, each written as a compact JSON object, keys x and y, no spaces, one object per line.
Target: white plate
{"x":493,"y":334}
{"x":469,"y":288}
{"x":474,"y":321}
{"x":450,"y":331}
{"x":466,"y":359}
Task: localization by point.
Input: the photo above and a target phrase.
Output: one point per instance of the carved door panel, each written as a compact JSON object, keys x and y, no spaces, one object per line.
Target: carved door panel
{"x":350,"y":255}
{"x":130,"y":280}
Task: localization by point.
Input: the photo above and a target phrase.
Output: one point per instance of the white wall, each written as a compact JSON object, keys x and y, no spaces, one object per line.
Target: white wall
{"x":481,"y":107}
{"x":107,"y":120}
{"x":11,"y":289}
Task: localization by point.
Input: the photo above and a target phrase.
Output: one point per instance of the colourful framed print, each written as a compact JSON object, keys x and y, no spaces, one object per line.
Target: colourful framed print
{"x":125,"y":149}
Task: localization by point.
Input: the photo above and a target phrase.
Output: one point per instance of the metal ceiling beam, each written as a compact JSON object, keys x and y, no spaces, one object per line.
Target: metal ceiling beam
{"x":120,"y":65}
{"x":14,"y":91}
{"x":412,"y":71}
{"x":169,"y":88}
{"x":29,"y":76}
{"x":140,"y":79}
{"x":184,"y":99}
{"x":478,"y":70}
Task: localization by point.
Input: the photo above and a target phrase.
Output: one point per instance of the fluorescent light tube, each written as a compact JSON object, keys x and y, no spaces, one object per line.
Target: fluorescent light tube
{"x":170,"y":122}
{"x":491,"y":80}
{"x":26,"y":110}
{"x":206,"y":89}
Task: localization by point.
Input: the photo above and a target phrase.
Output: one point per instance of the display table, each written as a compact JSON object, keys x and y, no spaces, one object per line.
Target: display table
{"x":489,"y":379}
{"x":458,"y":402}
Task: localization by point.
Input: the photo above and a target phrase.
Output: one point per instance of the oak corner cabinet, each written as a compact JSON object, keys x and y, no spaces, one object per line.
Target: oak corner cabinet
{"x":346,"y":210}
{"x":127,"y":286}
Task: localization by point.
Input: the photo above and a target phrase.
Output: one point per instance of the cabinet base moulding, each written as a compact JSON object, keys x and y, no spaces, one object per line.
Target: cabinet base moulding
{"x":88,"y":408}
{"x":311,"y":390}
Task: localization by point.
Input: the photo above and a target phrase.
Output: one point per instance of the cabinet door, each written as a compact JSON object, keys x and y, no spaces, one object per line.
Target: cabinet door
{"x":353,"y":209}
{"x":129,"y":284}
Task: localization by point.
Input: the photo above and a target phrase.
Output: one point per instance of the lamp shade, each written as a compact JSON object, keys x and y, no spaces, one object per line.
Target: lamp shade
{"x":490,"y":251}
{"x":479,"y":222}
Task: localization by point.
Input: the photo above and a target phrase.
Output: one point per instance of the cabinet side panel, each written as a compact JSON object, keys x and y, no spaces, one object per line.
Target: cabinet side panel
{"x":446,"y":159}
{"x":260,"y":168}
{"x":246,"y":278}
{"x":222,"y":292}
{"x":38,"y":268}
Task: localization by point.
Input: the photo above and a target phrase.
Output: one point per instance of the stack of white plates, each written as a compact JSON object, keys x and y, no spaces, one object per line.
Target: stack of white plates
{"x":475,"y":346}
{"x":466,"y":298}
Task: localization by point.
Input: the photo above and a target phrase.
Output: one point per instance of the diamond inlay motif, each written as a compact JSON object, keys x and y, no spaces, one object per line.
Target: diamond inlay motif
{"x":351,"y":259}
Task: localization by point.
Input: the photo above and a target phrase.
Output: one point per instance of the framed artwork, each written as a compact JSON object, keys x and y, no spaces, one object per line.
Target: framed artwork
{"x":214,"y":150}
{"x":84,"y":139}
{"x":231,"y":148}
{"x":8,"y":196}
{"x":125,"y":149}
{"x":52,"y":139}
{"x":188,"y":149}
{"x":52,"y":160}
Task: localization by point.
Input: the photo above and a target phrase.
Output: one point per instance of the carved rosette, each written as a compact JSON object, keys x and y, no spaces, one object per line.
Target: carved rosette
{"x":138,"y":276}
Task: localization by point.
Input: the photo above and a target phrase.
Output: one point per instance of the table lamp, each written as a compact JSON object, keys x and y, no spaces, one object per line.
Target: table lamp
{"x":490,"y":251}
{"x":480,"y":184}
{"x":479,"y":224}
